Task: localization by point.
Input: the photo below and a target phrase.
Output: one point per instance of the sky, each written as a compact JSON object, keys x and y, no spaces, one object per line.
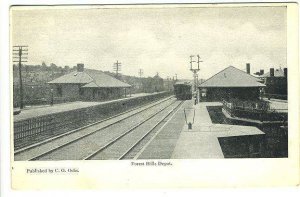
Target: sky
{"x":155,"y":39}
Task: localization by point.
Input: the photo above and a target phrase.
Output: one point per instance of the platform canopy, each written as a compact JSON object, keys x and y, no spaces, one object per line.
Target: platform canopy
{"x":231,"y":77}
{"x":90,"y":79}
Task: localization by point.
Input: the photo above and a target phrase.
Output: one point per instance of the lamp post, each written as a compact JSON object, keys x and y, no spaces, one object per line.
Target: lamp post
{"x":189,"y":115}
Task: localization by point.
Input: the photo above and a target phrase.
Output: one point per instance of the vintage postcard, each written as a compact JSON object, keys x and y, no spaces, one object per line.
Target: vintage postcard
{"x":156,"y":95}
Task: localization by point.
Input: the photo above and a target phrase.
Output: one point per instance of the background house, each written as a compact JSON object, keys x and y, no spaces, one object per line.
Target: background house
{"x":276,"y":83}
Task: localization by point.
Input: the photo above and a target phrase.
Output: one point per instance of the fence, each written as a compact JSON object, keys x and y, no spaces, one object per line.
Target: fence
{"x":48,"y":124}
{"x":275,"y":96}
{"x":259,"y":110}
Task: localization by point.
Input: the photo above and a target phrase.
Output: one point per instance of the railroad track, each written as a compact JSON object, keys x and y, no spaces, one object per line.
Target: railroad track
{"x":138,"y":148}
{"x":42,"y":149}
{"x":44,"y":139}
{"x":123,"y":145}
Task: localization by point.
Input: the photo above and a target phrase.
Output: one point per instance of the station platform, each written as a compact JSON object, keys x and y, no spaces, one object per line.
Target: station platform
{"x":31,"y":112}
{"x":279,"y":106}
{"x":163,"y":143}
{"x":202,"y":140}
{"x":176,"y":141}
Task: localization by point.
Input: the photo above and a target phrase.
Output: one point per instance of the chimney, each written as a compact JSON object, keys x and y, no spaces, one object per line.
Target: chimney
{"x":261,"y":72}
{"x":248,"y":68}
{"x":285,"y":72}
{"x":271,"y":72}
{"x":80,"y":67}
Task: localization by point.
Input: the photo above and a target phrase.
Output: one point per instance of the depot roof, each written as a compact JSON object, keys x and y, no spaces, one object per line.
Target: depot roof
{"x":232,"y":77}
{"x":90,"y":78}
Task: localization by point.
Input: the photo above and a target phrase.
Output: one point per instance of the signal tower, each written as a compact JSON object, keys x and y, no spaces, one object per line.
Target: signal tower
{"x":195,"y":72}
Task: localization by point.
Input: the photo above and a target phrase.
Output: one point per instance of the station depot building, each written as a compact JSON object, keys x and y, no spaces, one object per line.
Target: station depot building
{"x":88,"y":84}
{"x":231,"y":83}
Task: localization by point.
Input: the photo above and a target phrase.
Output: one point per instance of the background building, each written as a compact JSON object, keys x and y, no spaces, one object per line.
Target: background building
{"x":87,"y":84}
{"x":276,"y":83}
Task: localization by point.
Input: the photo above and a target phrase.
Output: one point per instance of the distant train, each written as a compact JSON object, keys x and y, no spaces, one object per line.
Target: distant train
{"x":183,"y":90}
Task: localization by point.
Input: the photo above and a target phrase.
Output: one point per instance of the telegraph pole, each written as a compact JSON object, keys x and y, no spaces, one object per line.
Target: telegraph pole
{"x":168,"y":84}
{"x":117,"y":68}
{"x":195,"y":70}
{"x":141,"y":72}
{"x":19,"y":57}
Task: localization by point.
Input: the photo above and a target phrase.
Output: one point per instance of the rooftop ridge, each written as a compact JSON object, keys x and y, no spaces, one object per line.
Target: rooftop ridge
{"x":233,"y":77}
{"x":87,"y":76}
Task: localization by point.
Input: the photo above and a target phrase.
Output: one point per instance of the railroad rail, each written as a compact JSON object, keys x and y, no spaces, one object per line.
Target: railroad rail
{"x":64,"y":140}
{"x":134,"y":136}
{"x":34,"y":129}
{"x":135,"y":150}
{"x":47,"y":139}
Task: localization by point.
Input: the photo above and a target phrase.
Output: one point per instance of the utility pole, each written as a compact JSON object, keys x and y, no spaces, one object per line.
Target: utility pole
{"x":117,"y":68}
{"x":176,"y":77}
{"x":141,"y":72}
{"x":195,"y":70}
{"x":19,"y":57}
{"x":168,"y":84}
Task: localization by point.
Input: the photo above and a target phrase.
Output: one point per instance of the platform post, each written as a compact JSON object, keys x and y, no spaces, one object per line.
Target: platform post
{"x":190,"y":126}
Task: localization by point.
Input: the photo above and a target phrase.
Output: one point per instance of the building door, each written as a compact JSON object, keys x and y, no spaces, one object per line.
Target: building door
{"x":94,"y":93}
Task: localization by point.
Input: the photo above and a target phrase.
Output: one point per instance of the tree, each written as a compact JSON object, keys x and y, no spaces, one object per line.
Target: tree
{"x":44,"y":66}
{"x":67,"y":68}
{"x":53,"y":66}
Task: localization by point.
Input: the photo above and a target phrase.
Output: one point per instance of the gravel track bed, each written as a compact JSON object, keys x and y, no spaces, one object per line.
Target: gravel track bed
{"x":85,"y":146}
{"x":133,"y":153}
{"x":117,"y":149}
{"x":36,"y":151}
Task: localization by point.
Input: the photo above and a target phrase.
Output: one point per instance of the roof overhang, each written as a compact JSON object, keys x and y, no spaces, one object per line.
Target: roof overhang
{"x":94,"y":85}
{"x":258,"y":86}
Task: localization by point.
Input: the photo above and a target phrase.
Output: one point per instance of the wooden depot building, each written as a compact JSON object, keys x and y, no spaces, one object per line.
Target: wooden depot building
{"x":230,"y":83}
{"x":88,"y":84}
